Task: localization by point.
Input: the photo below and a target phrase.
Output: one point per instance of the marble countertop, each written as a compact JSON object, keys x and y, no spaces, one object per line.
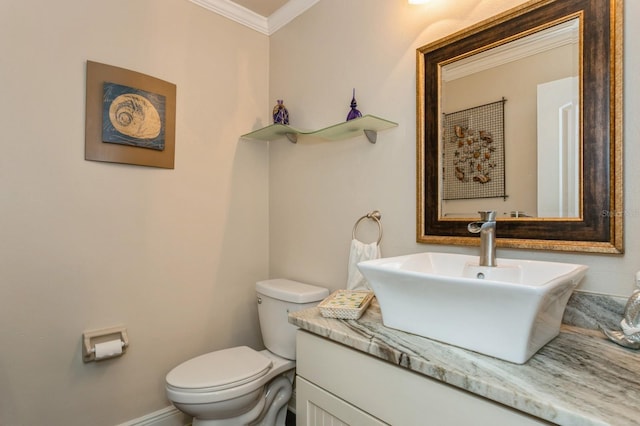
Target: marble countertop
{"x":579,"y":378}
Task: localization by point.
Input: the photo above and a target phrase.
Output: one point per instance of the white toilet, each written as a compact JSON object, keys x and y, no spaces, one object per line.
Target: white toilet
{"x":241,"y":386}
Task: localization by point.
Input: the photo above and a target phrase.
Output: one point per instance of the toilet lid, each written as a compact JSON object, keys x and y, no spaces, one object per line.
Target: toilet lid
{"x":219,"y":370}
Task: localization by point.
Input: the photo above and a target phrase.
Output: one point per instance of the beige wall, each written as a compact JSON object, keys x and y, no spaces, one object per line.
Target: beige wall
{"x":171,"y":254}
{"x":319,"y":190}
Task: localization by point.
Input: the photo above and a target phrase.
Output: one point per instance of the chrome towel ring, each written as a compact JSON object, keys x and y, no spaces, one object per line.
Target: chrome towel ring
{"x":374,"y":215}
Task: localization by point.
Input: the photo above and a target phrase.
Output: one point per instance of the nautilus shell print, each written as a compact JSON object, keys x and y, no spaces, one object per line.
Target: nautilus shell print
{"x":132,"y":117}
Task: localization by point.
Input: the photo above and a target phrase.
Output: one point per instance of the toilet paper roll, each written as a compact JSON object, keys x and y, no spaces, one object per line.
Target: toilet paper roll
{"x":108,"y":349}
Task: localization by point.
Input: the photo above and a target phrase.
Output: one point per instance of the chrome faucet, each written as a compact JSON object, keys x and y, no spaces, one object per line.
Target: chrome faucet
{"x":486,"y":226}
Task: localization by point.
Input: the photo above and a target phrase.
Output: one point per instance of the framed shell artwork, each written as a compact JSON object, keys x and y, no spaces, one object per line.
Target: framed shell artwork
{"x":130,"y":117}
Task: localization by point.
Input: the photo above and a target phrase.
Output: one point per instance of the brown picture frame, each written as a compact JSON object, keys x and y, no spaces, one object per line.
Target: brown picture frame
{"x":599,"y":227}
{"x":95,"y":149}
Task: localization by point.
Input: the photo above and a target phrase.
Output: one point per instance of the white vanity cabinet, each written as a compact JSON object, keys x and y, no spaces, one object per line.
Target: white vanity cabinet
{"x":339,"y":386}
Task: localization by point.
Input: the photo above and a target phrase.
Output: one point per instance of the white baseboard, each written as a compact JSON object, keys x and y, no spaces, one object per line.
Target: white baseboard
{"x":169,"y":416}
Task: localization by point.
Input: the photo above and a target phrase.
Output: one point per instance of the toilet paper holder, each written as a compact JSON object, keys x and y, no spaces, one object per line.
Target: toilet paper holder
{"x":103,"y":335}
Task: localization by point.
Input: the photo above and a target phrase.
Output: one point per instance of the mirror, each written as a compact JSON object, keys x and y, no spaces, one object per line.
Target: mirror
{"x":537,"y":152}
{"x":522,"y":114}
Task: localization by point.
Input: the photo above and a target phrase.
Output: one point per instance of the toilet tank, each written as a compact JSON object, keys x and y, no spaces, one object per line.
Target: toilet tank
{"x":276,"y":298}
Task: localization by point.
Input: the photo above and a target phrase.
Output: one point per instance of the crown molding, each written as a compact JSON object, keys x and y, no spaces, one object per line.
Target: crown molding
{"x":240,"y":14}
{"x":237,"y":13}
{"x":287,"y":13}
{"x":550,"y":38}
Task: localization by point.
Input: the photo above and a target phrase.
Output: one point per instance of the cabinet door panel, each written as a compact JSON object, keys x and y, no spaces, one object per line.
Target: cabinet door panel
{"x":317,"y":407}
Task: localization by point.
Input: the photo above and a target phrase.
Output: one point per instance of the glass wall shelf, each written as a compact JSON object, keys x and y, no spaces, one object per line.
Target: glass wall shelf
{"x":368,"y":124}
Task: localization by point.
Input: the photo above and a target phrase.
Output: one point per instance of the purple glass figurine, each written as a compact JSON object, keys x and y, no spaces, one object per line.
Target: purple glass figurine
{"x":354,"y":113}
{"x":280,"y":113}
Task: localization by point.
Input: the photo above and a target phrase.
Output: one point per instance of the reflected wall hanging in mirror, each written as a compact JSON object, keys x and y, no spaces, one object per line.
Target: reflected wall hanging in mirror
{"x":473,"y":151}
{"x":559,"y":64}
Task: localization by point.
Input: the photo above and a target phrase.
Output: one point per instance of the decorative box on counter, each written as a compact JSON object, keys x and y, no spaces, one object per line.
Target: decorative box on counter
{"x":346,"y":304}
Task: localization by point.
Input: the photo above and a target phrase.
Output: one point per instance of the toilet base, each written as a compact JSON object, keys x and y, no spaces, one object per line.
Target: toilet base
{"x":241,"y":420}
{"x":271,"y":409}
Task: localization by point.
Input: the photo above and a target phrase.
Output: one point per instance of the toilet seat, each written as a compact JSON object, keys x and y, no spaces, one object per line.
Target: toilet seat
{"x":219,"y":370}
{"x":176,"y":381}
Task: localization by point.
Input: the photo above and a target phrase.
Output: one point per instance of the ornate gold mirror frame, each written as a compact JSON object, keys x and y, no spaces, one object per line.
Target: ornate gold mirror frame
{"x":599,"y":226}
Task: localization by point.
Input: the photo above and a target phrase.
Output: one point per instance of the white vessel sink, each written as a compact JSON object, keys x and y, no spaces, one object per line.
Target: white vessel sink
{"x":508,"y":311}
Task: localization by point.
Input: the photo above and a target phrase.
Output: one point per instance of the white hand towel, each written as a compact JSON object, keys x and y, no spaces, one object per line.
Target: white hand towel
{"x":359,"y":252}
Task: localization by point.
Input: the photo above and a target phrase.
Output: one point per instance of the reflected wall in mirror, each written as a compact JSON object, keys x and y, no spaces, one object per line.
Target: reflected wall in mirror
{"x":555,"y":154}
{"x":538,"y":75}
